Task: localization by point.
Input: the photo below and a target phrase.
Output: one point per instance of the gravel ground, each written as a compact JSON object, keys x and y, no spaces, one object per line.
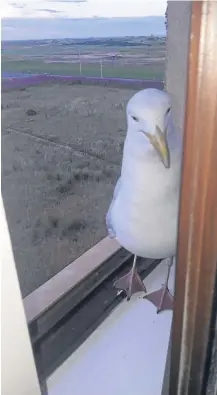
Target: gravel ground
{"x":61,"y":154}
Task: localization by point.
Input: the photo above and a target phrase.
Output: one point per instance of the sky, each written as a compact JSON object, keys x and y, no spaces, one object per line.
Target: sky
{"x":17,"y":14}
{"x":81,"y":8}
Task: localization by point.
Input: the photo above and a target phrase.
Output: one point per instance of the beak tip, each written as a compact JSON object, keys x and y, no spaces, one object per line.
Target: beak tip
{"x":166,"y":164}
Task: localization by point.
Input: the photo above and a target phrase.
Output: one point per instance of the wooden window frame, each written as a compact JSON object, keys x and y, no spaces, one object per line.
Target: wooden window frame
{"x":195,"y":286}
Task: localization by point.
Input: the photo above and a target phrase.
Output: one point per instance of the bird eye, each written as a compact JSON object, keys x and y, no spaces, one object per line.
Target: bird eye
{"x":167,"y":111}
{"x":135,"y":118}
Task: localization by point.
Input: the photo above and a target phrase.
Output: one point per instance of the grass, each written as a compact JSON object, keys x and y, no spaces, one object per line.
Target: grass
{"x":78,"y":175}
{"x":31,"y":112}
{"x":152,"y":72}
{"x":74,"y":227}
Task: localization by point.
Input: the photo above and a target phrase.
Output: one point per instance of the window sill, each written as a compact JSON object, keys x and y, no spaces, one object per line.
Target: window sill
{"x":126,"y":354}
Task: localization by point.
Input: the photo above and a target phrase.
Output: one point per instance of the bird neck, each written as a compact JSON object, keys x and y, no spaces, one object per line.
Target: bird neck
{"x":136,"y":145}
{"x":138,"y":151}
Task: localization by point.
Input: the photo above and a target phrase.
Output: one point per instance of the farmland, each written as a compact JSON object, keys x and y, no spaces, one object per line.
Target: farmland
{"x":141,"y":58}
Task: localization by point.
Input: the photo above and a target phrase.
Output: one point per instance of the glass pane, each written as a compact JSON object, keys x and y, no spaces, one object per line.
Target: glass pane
{"x":67,"y":76}
{"x":61,"y":155}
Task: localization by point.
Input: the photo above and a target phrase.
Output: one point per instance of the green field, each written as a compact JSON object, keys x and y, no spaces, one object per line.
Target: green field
{"x":139,"y":58}
{"x":154,"y":72}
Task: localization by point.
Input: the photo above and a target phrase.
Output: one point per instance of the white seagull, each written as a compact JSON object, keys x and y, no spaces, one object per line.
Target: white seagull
{"x":143,"y":214}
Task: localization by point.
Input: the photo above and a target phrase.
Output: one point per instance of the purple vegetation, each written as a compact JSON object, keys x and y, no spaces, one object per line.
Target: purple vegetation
{"x":21,"y":81}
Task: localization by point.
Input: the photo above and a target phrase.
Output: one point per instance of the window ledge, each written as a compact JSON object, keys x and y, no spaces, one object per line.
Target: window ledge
{"x":44,"y":297}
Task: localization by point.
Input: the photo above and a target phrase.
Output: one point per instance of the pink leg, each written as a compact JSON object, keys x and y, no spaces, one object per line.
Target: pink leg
{"x":131,"y":283}
{"x":162,"y":298}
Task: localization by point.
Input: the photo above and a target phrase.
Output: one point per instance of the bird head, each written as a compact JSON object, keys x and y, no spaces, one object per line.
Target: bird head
{"x":148,"y":115}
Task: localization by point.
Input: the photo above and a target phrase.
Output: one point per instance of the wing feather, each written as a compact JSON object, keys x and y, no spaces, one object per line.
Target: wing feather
{"x":109,"y":223}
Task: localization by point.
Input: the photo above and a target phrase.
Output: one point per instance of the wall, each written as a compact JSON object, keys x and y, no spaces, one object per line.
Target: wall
{"x":18,"y":372}
{"x":178,"y":19}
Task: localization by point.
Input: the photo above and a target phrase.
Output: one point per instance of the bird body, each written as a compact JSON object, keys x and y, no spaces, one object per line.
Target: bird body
{"x":143,"y":214}
{"x":144,"y":211}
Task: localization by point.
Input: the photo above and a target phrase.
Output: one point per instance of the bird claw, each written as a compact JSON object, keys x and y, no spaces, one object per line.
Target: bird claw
{"x":161,"y":298}
{"x":131,"y":283}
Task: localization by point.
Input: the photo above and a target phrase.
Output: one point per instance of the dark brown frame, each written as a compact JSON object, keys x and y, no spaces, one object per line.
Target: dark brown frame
{"x":195,"y":288}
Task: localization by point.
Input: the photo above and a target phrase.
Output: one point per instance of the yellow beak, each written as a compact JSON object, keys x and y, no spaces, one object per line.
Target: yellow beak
{"x":159,"y":142}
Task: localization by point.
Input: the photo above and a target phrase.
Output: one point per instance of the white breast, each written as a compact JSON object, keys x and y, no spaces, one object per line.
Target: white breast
{"x":145,"y":212}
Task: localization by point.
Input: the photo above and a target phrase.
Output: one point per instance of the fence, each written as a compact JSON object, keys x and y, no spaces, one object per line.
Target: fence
{"x":147,"y":70}
{"x":87,"y":65}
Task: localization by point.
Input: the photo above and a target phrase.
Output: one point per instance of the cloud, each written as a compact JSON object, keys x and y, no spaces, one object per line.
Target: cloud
{"x":68,"y":1}
{"x":81,"y":8}
{"x":16,"y":5}
{"x":49,"y":10}
{"x":99,"y":17}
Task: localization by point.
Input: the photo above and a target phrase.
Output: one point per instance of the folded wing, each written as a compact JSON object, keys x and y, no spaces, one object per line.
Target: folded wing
{"x":109,"y":224}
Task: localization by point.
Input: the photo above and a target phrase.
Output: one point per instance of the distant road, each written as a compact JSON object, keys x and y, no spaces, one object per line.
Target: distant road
{"x":19,"y":80}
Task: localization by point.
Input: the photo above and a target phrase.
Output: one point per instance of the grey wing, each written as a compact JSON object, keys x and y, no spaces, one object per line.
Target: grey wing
{"x":109,"y":224}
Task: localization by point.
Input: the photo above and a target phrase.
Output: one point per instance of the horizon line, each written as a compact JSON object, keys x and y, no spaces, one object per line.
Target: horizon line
{"x":85,"y":38}
{"x":85,"y":18}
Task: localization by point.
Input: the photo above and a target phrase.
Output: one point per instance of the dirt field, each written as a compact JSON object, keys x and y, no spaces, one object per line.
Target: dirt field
{"x":61,"y":153}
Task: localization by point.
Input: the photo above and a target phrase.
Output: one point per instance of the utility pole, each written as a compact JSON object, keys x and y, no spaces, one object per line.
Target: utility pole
{"x":101,"y":68}
{"x":80,"y":68}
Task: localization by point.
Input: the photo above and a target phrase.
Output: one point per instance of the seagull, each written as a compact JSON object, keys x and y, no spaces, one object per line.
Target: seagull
{"x":143,"y":214}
